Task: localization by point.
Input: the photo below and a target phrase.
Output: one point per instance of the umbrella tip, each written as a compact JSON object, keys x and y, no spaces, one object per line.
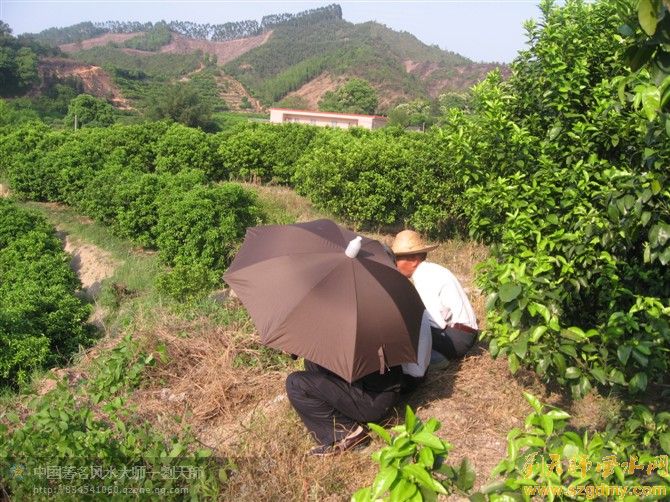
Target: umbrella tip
{"x":354,"y":247}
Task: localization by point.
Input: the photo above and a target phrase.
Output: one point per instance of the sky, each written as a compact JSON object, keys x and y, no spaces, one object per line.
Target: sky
{"x":482,"y":30}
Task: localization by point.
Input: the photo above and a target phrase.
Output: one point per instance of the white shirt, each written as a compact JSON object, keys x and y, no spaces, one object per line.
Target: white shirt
{"x":419,"y":368}
{"x":443,"y":296}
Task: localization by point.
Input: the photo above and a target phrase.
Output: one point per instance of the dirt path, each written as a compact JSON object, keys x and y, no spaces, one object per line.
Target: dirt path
{"x":91,"y":263}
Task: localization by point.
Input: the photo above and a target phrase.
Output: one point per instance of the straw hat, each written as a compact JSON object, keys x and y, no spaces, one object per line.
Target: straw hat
{"x":409,"y":242}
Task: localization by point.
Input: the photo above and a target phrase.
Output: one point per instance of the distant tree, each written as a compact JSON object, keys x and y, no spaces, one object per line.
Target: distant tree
{"x":18,"y":63}
{"x":355,"y":96}
{"x":181,"y":102}
{"x":89,"y":112}
{"x":5,"y":30}
{"x":450,"y":100}
{"x":294,"y":102}
{"x":416,"y":113}
{"x":15,"y":113}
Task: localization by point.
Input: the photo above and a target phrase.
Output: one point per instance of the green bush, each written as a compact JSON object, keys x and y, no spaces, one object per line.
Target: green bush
{"x":42,"y":322}
{"x":263,"y":152}
{"x":547,"y":459}
{"x":88,"y":111}
{"x":183,"y":147}
{"x":412,"y":465}
{"x":203,"y":225}
{"x":22,"y":151}
{"x":578,"y":284}
{"x":383,"y":178}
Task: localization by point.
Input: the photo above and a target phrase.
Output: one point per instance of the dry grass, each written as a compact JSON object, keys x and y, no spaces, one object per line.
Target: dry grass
{"x":241,"y":413}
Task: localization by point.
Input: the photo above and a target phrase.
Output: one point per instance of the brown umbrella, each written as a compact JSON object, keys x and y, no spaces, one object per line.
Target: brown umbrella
{"x":307,"y":296}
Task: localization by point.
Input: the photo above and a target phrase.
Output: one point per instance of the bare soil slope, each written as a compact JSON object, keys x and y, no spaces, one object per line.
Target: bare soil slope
{"x":95,"y":80}
{"x":224,"y":51}
{"x":314,"y":90}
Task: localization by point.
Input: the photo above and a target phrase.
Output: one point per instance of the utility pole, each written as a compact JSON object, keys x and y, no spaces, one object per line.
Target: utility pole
{"x":75,"y":121}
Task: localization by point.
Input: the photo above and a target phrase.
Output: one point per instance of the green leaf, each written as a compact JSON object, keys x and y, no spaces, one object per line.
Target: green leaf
{"x":616,"y":376}
{"x":422,"y":476}
{"x":177,"y":449}
{"x":638,"y":382}
{"x":466,"y":476}
{"x":547,"y":424}
{"x":664,"y":440}
{"x":509,"y":292}
{"x":381,"y":432}
{"x":534,"y":402}
{"x":623,"y":353}
{"x":525,"y":441}
{"x":383,"y":481}
{"x":659,"y":234}
{"x":427,"y":458}
{"x":570,"y":451}
{"x":410,"y":419}
{"x":599,"y":374}
{"x":572,"y":372}
{"x":542,"y":310}
{"x":520,"y":346}
{"x":428,"y":439}
{"x":512,"y":451}
{"x":574,"y":333}
{"x":513,"y":363}
{"x":569,"y":350}
{"x":558,"y":414}
{"x":537,"y":333}
{"x":559,"y":361}
{"x":431,"y":425}
{"x":362,"y":495}
{"x":646,"y":15}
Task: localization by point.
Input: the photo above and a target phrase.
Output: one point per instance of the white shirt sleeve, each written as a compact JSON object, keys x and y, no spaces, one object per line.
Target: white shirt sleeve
{"x":419,"y":368}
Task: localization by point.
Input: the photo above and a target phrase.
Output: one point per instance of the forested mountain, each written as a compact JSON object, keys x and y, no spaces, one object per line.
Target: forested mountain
{"x":297,"y":56}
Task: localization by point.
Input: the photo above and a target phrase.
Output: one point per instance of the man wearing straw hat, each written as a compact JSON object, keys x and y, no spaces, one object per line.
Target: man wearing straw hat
{"x":452,"y":318}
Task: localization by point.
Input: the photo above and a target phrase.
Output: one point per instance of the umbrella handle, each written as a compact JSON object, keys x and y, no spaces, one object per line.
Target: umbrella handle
{"x":382,"y":358}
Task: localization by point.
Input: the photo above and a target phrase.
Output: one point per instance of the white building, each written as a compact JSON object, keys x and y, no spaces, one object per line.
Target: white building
{"x":323,"y":119}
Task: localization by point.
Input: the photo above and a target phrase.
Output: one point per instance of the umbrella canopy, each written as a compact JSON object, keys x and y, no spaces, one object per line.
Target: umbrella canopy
{"x":307,"y":296}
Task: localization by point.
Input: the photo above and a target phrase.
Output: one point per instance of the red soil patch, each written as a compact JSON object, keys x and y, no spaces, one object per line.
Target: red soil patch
{"x":224,"y":51}
{"x":95,"y":80}
{"x":314,"y":90}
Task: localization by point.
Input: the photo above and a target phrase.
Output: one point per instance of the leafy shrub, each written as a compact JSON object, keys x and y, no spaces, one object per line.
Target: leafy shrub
{"x":88,"y":111}
{"x":355,"y":96}
{"x":578,"y":286}
{"x":181,"y":102}
{"x":186,"y":148}
{"x":264,"y":152}
{"x":42,"y":321}
{"x":412,"y":465}
{"x":374,"y":179}
{"x":22,"y":151}
{"x":547,"y":459}
{"x":200,"y":228}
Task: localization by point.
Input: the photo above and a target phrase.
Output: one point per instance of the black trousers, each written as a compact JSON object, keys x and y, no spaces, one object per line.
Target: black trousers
{"x":330,"y":407}
{"x":452,"y":343}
